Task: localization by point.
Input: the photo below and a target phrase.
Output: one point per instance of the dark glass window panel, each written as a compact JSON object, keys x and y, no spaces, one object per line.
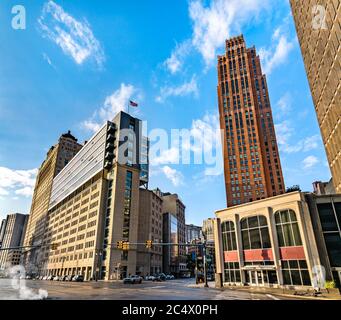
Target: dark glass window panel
{"x":237,"y":276}
{"x":231,"y":234}
{"x":288,"y":236}
{"x":305,"y":277}
{"x":280,"y":236}
{"x":262,"y":221}
{"x":234,"y":243}
{"x":293,"y":264}
{"x":338,"y":211}
{"x":265,"y":237}
{"x":296,"y":277}
{"x":247,"y":276}
{"x":224,"y":235}
{"x":327,"y":217}
{"x":231,"y":226}
{"x":286,"y":277}
{"x":285,"y":216}
{"x":303,"y":264}
{"x":285,"y":264}
{"x":246,"y":242}
{"x":255,"y":239}
{"x":243,"y":224}
{"x":236,"y":265}
{"x":336,"y":279}
{"x":223,"y":227}
{"x":233,"y":278}
{"x":253,"y":222}
{"x":333,"y":244}
{"x":272,"y":276}
{"x":297,"y":235}
{"x":293,"y":217}
{"x":277,"y":218}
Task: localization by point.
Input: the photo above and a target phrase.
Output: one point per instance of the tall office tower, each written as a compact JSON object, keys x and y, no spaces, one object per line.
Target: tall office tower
{"x":193,"y":233}
{"x":174,"y":230}
{"x":94,"y":204}
{"x":252,"y":166}
{"x":207,"y":229}
{"x":318,"y":25}
{"x":2,"y":230}
{"x":57,"y":157}
{"x":13,"y":231}
{"x":149,"y":260}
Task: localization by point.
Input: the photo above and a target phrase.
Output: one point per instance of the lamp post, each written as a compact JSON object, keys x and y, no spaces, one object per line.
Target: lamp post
{"x":98,"y":254}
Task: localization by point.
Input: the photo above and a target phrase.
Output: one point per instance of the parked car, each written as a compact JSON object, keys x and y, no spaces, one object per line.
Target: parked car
{"x":210,"y":277}
{"x":44,"y":278}
{"x":50,"y":278}
{"x":78,"y":278}
{"x":132,"y":280}
{"x":63,"y":278}
{"x":69,"y":278}
{"x":150,"y":278}
{"x":56,"y":278}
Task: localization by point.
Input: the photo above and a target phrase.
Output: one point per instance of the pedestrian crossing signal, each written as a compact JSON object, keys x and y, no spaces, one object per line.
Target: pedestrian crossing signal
{"x":119,"y":245}
{"x":149,"y":244}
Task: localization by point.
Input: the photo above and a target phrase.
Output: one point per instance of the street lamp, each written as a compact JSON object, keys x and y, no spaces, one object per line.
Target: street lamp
{"x":98,"y":254}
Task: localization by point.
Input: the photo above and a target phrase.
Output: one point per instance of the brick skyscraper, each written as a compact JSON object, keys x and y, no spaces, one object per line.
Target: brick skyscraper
{"x":251,"y":159}
{"x":318,"y":26}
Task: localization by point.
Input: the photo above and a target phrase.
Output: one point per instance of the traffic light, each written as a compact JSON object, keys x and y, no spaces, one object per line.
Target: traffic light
{"x":125,"y":246}
{"x":119,"y":245}
{"x":149,"y":244}
{"x":54,"y":246}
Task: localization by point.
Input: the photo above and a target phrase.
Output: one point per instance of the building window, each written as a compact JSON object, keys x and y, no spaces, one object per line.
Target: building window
{"x":288,"y":232}
{"x":229,"y":236}
{"x":231,"y":272}
{"x":127,"y":204}
{"x":295,"y":272}
{"x":255,"y":233}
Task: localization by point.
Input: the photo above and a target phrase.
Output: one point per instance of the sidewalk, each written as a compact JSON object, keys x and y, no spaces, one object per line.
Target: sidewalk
{"x":332,"y":295}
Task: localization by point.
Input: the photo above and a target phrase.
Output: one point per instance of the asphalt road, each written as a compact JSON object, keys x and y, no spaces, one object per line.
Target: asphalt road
{"x":168,"y":290}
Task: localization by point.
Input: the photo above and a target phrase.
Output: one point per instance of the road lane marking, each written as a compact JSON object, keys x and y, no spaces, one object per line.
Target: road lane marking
{"x":272,"y":297}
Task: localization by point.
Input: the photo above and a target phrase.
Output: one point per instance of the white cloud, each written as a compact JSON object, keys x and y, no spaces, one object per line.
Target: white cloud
{"x":173,"y":175}
{"x":284,"y":133}
{"x":21,"y":182}
{"x":170,"y":156}
{"x":26,"y":192}
{"x":184,"y":89}
{"x":310,"y":162}
{"x":175,"y":62}
{"x":48,"y":60}
{"x":114,"y":103}
{"x":75,"y":38}
{"x":278,"y":51}
{"x":284,"y":104}
{"x":212,"y":25}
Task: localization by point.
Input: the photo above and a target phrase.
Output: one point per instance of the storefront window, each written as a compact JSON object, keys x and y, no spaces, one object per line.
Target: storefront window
{"x":255,"y":233}
{"x":287,"y":229}
{"x":229,"y":236}
{"x":231,"y":272}
{"x":295,"y":272}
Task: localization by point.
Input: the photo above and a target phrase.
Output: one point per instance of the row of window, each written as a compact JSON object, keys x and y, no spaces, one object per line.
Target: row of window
{"x":255,"y":231}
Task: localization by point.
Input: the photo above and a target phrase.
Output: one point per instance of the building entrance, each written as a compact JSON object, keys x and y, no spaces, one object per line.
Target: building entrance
{"x":260,"y":277}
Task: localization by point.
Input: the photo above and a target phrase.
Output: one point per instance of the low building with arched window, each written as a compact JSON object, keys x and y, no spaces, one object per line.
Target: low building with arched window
{"x":283,"y":241}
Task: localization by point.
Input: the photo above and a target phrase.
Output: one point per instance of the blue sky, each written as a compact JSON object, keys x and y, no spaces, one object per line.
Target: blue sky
{"x":78,"y":62}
